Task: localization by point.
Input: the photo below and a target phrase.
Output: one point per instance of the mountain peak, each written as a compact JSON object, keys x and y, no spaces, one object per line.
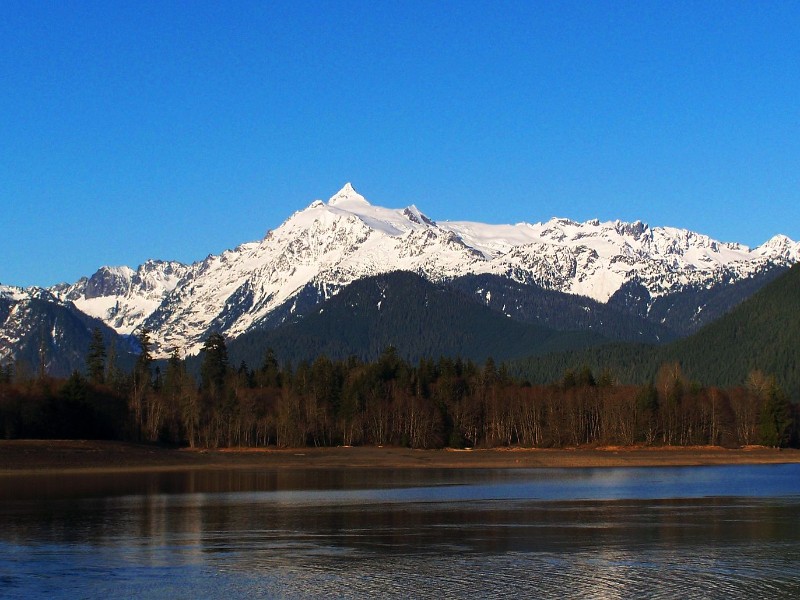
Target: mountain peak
{"x":413,"y":214}
{"x":781,"y":245}
{"x":779,"y":240}
{"x":347,"y":194}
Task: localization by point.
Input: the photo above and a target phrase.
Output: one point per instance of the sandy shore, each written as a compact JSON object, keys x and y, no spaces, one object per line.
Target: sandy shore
{"x":34,"y":456}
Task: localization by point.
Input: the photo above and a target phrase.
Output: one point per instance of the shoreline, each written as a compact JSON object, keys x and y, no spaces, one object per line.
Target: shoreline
{"x":28,"y":457}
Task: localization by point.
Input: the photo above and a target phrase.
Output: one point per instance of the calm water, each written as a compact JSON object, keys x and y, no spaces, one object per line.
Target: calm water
{"x":699,"y":532}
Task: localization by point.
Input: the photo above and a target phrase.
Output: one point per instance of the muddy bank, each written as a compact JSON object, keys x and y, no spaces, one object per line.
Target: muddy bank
{"x":18,"y":456}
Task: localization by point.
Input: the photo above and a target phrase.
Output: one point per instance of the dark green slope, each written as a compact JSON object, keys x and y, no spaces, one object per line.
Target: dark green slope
{"x":418,"y":318}
{"x":762,"y":333}
{"x":685,"y":312}
{"x":691,"y":309}
{"x":531,"y":303}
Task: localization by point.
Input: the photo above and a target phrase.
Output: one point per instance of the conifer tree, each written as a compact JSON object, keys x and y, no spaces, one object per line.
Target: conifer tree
{"x":215,"y":363}
{"x":175,"y":371}
{"x":96,"y":358}
{"x":141,"y":372}
{"x":112,"y":374}
{"x":269,"y":375}
{"x":775,"y":420}
{"x":142,"y":382}
{"x":74,"y":390}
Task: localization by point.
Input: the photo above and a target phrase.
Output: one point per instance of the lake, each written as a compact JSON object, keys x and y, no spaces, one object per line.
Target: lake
{"x":689,"y":532}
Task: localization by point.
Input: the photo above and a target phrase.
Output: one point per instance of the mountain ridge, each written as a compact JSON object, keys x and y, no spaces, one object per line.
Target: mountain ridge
{"x":327,"y":246}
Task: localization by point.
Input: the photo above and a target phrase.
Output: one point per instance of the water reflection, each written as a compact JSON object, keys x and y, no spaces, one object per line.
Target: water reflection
{"x":605,"y":533}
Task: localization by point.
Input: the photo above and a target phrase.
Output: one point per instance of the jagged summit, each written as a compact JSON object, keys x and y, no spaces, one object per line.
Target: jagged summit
{"x":347,"y":195}
{"x":413,"y":214}
{"x":782,"y":246}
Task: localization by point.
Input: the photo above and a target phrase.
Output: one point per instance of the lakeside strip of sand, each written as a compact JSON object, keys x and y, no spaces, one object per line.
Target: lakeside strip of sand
{"x":64,"y":456}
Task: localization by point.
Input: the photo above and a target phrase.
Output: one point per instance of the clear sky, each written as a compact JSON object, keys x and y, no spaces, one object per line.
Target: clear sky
{"x":135,"y":130}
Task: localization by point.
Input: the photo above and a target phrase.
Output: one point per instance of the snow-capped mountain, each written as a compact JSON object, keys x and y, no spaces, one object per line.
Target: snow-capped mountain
{"x":121,"y":297}
{"x":330,"y":244}
{"x":40,"y":330}
{"x":13,"y":304}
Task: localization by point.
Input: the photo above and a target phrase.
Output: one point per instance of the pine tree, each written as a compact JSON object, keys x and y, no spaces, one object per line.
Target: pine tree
{"x":775,"y":420}
{"x":215,"y":363}
{"x":173,"y":379}
{"x":96,"y":358}
{"x":74,"y":390}
{"x":141,"y":373}
{"x":142,"y":382}
{"x":269,"y":375}
{"x":112,"y":374}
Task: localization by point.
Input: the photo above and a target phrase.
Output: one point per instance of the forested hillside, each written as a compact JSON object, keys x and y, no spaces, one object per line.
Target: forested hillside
{"x":762,"y":333}
{"x":530,"y":303}
{"x":725,"y":385}
{"x":418,"y":318}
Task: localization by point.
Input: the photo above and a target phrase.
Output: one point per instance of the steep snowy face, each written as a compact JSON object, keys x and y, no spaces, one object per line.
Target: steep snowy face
{"x":330,"y":244}
{"x":121,"y":297}
{"x":13,"y":322}
{"x":10,"y":321}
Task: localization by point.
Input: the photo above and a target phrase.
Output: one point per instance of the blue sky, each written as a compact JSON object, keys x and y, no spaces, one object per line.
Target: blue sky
{"x":135,"y":130}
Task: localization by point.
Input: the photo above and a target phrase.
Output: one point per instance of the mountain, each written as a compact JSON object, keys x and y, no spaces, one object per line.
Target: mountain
{"x":37,"y":330}
{"x":631,"y":314}
{"x":320,"y":250}
{"x":419,"y":318}
{"x":121,"y":297}
{"x":762,"y":333}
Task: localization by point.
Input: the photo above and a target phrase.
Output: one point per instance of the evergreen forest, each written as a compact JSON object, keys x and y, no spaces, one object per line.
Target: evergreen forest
{"x":430,"y":404}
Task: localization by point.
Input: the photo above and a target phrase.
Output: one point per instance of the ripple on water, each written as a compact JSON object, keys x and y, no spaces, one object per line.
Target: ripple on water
{"x":546,"y":575}
{"x":246,"y":545}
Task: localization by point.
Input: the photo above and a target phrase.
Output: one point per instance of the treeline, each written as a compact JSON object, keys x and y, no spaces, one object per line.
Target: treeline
{"x":432,"y":404}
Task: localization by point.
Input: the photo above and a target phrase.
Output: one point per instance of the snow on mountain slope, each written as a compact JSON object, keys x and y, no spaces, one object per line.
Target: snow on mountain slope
{"x":781,"y":247}
{"x":329,"y":245}
{"x":9,"y":292}
{"x":121,"y":297}
{"x":594,"y":259}
{"x":19,"y":317}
